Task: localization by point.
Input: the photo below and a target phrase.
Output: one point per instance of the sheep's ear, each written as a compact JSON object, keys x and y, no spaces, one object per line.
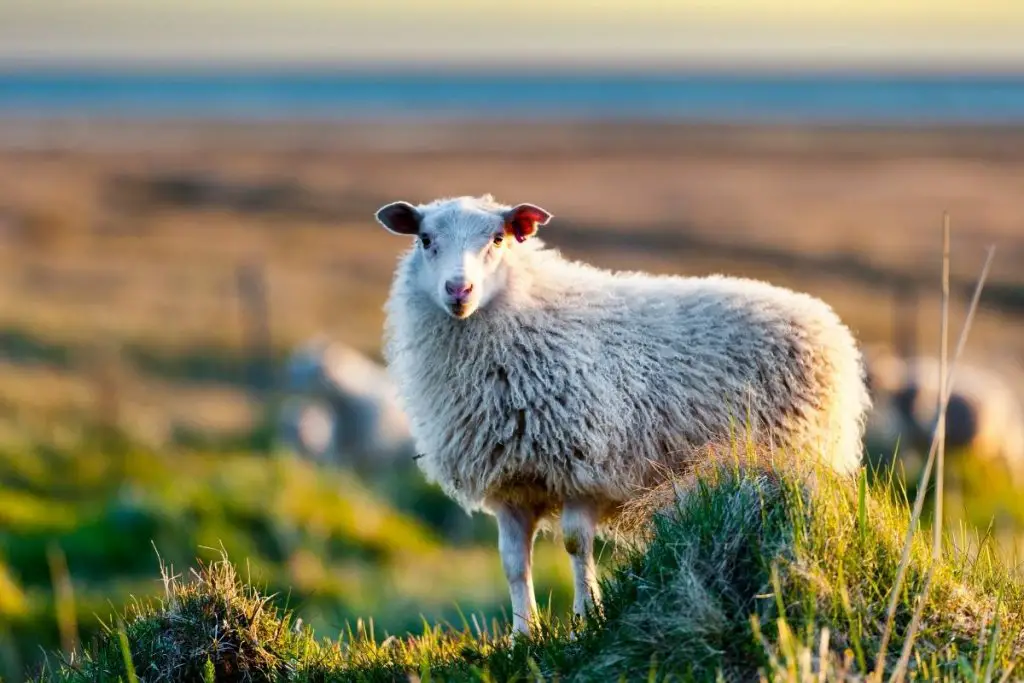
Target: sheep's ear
{"x":522,"y":221}
{"x":400,"y":218}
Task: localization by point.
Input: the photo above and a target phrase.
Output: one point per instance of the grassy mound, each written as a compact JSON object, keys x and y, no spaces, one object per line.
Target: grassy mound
{"x":753,"y":573}
{"x":745,"y":573}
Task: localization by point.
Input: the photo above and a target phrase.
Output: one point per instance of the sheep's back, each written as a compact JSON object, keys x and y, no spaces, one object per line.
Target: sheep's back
{"x":589,"y":388}
{"x":743,"y":356}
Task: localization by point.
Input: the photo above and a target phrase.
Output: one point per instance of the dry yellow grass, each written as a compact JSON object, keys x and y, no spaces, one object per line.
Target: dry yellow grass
{"x":85,"y":259}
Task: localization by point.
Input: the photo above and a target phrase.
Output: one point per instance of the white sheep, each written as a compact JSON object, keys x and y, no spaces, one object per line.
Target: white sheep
{"x":537,"y":386}
{"x":342,"y":406}
{"x":306,"y":426}
{"x":984,"y":415}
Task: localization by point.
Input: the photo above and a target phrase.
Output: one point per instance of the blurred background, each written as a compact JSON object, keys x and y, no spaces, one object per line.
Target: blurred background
{"x":191,"y":280}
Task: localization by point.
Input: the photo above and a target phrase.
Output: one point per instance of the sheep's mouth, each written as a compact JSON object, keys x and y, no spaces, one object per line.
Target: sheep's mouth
{"x":460,"y":308}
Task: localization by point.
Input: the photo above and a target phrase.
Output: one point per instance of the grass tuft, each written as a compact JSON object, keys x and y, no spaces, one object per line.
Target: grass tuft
{"x":744,"y":574}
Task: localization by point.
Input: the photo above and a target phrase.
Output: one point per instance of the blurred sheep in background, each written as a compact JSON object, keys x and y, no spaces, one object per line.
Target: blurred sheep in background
{"x":340,"y":408}
{"x":984,"y":417}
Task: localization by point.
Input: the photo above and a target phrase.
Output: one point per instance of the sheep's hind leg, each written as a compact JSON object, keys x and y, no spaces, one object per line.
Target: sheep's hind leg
{"x":579,"y":525}
{"x":516,"y":529}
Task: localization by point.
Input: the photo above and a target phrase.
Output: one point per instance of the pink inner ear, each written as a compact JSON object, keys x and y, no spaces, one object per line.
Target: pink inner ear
{"x":522,"y":227}
{"x":534,"y":214}
{"x":524,"y":221}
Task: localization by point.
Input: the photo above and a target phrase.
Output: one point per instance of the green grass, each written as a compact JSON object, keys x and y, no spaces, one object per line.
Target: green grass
{"x":325,"y":542}
{"x":746,"y":574}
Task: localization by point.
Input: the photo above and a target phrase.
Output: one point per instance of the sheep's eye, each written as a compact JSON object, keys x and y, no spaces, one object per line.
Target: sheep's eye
{"x":425,"y":241}
{"x":498,"y":239}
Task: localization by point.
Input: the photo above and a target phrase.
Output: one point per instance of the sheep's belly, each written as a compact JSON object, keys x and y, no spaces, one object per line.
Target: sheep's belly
{"x":478,"y":482}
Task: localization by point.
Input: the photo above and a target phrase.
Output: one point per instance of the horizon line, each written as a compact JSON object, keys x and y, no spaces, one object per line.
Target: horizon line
{"x":555,"y":67}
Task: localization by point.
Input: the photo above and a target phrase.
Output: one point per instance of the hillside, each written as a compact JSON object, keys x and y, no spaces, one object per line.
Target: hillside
{"x":747,"y":573}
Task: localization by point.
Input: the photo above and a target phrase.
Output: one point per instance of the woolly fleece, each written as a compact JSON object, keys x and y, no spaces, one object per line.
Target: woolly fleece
{"x":576,"y":382}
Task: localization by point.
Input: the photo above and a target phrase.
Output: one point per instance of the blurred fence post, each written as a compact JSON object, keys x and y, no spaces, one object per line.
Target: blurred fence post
{"x":103,"y":365}
{"x":106,"y":376}
{"x":904,"y":321}
{"x":252,"y":294}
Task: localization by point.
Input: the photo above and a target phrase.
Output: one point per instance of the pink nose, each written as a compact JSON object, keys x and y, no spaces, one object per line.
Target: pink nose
{"x":458,"y":290}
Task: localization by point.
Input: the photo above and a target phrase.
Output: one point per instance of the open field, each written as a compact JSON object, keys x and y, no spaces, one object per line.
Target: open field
{"x":127,"y":293}
{"x":130,"y":234}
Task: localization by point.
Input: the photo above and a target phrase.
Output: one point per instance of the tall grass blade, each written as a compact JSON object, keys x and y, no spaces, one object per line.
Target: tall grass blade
{"x":126,"y":653}
{"x":940,"y":427}
{"x":64,"y":599}
{"x":925,"y":477}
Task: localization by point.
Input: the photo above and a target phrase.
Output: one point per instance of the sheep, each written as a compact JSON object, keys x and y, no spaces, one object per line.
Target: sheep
{"x":984,"y":415}
{"x":540,"y":387}
{"x":343,"y":405}
{"x":306,"y":426}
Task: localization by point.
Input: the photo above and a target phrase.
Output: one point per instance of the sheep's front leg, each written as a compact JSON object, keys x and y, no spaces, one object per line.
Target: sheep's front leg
{"x":579,"y":525}
{"x":516,"y":529}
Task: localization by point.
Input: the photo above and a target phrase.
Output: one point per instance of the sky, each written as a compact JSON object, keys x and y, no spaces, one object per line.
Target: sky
{"x":880,"y":33}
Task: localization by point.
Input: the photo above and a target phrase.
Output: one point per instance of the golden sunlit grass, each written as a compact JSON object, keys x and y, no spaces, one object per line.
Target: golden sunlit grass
{"x":78,"y":526}
{"x":749,"y":572}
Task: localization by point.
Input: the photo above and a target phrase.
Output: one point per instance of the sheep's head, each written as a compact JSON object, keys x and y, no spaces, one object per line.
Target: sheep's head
{"x":461,"y":257}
